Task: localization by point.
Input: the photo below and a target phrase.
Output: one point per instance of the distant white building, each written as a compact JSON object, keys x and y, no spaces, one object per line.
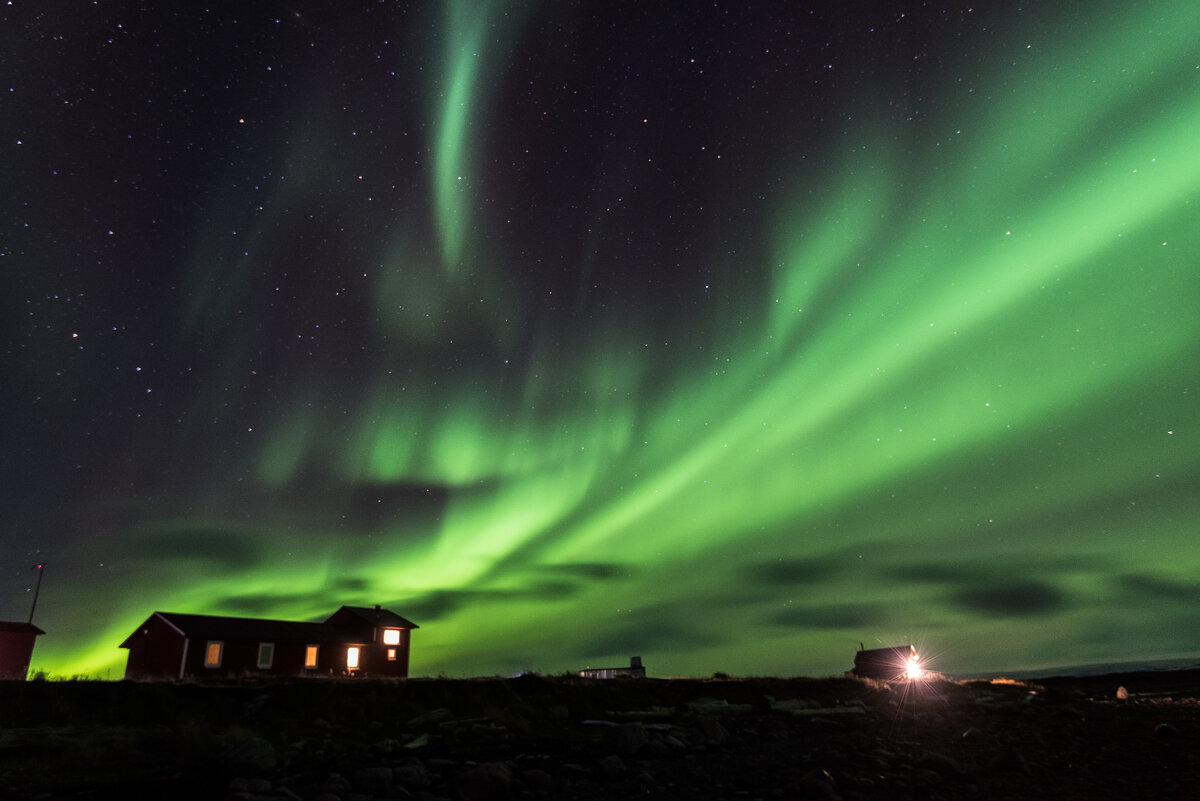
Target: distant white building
{"x":634,"y":671}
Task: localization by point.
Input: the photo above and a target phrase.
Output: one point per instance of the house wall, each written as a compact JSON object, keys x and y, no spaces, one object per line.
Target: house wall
{"x":373,"y":657}
{"x":158,"y":650}
{"x":882,"y":663}
{"x":240,"y":659}
{"x":16,"y":649}
{"x":155,"y":651}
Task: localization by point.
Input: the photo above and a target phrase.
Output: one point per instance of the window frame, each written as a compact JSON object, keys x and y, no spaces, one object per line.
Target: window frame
{"x":269,"y":647}
{"x":208,"y":650}
{"x":391,"y":636}
{"x":353,"y":657}
{"x":313,"y":649}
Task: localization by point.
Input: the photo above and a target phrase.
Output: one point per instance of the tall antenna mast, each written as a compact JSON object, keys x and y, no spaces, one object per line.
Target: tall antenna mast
{"x":40,"y":568}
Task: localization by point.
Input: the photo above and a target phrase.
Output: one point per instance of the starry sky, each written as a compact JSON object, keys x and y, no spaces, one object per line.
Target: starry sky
{"x":728,"y":334}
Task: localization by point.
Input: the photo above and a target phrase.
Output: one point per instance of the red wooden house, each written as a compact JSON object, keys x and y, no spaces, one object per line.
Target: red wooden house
{"x":16,"y":648}
{"x":353,"y":641}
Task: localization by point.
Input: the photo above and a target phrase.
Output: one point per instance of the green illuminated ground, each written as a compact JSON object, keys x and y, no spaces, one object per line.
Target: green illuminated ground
{"x":733,"y":364}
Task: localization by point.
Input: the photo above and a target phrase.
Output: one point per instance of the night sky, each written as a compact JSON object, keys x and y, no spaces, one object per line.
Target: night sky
{"x":728,"y":334}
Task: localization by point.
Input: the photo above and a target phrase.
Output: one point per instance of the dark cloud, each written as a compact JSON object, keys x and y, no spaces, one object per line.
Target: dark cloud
{"x":976,"y":570}
{"x":833,"y":616}
{"x":438,"y":604}
{"x":645,"y":637}
{"x":191,"y":543}
{"x":600,"y":571}
{"x":649,"y":629}
{"x":1156,"y":588}
{"x":1011,"y":598}
{"x":349,"y":584}
{"x":790,"y":572}
{"x":260,"y":604}
{"x":935,"y":573}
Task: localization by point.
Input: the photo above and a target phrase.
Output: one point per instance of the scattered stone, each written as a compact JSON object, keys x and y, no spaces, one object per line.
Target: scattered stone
{"x":372,"y":780}
{"x":1008,"y":760}
{"x":1062,"y":746}
{"x":794,"y":706}
{"x":717,"y":706}
{"x":537,"y":780}
{"x":336,"y":783}
{"x":1165,"y":730}
{"x":254,"y":756}
{"x":410,"y":774}
{"x":420,"y":741}
{"x":819,"y":785}
{"x":1122,"y":694}
{"x":945,"y":766}
{"x":711,"y":731}
{"x":484,"y":781}
{"x":434,"y":717}
{"x":610,"y":767}
{"x":626,"y":738}
{"x":830,"y":710}
{"x":674,"y":743}
{"x":244,"y":785}
{"x":654,"y":712}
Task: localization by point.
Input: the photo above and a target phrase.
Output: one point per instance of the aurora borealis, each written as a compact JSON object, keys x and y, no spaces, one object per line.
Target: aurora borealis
{"x":730,"y":335}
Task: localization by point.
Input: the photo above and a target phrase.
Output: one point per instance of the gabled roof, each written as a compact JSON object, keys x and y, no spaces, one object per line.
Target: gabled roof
{"x":375,"y":616}
{"x":215,"y":627}
{"x":22,"y":628}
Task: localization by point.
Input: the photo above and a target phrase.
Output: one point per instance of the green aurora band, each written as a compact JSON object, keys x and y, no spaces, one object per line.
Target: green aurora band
{"x":956,"y":406}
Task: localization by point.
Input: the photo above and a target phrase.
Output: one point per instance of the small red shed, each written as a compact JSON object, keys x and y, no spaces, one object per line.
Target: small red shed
{"x":16,"y":648}
{"x":353,"y":641}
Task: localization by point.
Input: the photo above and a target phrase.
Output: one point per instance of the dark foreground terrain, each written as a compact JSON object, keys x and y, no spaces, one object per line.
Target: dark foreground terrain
{"x":568,"y":738}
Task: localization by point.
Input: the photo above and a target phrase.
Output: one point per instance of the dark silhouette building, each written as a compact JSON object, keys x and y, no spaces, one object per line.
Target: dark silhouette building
{"x":16,"y":648}
{"x":885,"y":663}
{"x":353,"y":641}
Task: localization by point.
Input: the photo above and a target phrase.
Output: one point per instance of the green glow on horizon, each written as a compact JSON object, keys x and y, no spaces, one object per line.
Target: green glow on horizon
{"x":933,"y":370}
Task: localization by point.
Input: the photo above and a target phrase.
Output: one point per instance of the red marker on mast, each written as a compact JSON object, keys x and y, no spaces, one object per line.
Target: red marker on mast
{"x":40,"y":568}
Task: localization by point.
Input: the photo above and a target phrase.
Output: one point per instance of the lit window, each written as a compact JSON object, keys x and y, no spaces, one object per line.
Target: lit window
{"x":266,"y":654}
{"x":310,"y":656}
{"x":352,"y":657}
{"x":391,"y":636}
{"x":212,"y":654}
{"x":391,"y":654}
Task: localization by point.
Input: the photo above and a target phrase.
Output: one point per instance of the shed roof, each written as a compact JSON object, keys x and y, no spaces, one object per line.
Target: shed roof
{"x":21,"y":628}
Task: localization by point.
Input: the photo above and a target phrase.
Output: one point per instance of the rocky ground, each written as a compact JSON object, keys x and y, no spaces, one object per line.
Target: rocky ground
{"x":1133,"y":736}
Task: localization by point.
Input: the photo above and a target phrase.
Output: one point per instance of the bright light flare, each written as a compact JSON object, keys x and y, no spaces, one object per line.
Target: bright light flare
{"x":913,"y":669}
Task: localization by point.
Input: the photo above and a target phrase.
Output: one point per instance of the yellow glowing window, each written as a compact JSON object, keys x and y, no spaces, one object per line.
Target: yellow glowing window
{"x":391,"y":636}
{"x":352,"y":657}
{"x":310,"y":656}
{"x":212,"y":653}
{"x":391,"y":654}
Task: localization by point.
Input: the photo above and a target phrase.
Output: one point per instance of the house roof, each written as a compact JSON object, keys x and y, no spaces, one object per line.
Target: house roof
{"x":22,"y":628}
{"x":376,"y":617}
{"x":215,"y":627}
